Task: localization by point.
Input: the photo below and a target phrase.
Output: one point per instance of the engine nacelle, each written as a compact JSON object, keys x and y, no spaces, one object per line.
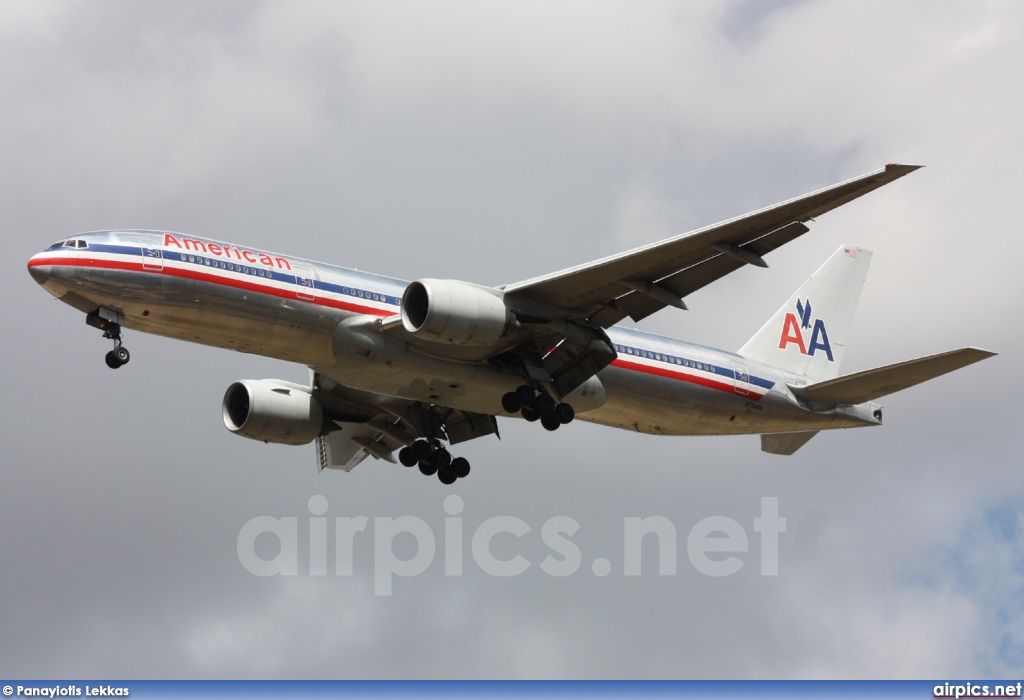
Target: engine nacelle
{"x":453,"y":312}
{"x":272,"y":411}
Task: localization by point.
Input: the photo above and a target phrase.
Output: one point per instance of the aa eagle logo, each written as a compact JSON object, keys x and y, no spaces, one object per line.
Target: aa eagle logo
{"x":793,"y":332}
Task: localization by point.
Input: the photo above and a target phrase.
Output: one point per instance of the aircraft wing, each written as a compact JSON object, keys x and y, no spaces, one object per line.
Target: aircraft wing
{"x":644,"y":280}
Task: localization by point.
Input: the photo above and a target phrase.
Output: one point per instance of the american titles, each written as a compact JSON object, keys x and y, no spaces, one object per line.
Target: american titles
{"x":226,"y":251}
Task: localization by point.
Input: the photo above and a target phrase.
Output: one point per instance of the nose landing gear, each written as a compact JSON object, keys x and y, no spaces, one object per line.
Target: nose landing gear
{"x":103,"y":319}
{"x":117,"y":357}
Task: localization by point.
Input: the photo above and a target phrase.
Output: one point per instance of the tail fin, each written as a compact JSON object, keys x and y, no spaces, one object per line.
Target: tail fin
{"x":808,"y":334}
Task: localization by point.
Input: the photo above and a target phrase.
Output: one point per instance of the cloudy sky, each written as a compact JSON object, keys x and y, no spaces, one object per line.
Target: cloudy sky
{"x":493,"y":142}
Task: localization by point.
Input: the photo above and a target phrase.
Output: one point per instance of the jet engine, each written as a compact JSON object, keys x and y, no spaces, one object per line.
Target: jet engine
{"x":453,"y":312}
{"x":272,"y":411}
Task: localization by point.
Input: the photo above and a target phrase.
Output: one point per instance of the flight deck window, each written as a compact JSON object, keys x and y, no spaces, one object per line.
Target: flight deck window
{"x":58,"y":244}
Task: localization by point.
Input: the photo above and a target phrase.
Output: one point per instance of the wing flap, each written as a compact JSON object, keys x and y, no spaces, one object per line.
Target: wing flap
{"x":882,"y":381}
{"x":685,"y":282}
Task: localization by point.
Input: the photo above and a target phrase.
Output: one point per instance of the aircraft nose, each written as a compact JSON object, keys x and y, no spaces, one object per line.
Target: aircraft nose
{"x":40,"y":272}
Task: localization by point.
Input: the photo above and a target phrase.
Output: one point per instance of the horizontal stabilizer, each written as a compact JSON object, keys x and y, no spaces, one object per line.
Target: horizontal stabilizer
{"x":785,"y":443}
{"x":875,"y":383}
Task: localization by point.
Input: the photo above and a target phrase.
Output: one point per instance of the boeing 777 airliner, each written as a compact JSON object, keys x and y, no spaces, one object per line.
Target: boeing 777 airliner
{"x":408,"y":367}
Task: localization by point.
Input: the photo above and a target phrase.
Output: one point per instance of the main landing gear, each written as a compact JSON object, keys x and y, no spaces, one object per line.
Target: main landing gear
{"x":433,"y":458}
{"x":537,"y":404}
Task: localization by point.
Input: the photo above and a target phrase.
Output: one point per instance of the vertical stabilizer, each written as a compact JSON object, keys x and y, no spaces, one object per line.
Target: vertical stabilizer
{"x":808,"y":335}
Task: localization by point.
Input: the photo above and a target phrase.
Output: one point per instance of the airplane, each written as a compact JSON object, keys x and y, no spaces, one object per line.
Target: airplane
{"x":407,"y":367}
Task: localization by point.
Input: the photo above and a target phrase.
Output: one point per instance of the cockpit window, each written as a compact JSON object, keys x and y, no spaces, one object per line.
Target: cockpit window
{"x":76,"y":243}
{"x":58,"y":244}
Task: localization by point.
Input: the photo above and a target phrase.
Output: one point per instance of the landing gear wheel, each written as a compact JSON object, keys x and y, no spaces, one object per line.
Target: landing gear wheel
{"x":526,"y":395}
{"x":441,"y":458}
{"x":564,"y":413}
{"x":428,"y":468}
{"x":545,"y":404}
{"x":421,"y":448}
{"x":460,"y":465}
{"x":121,"y":354}
{"x":550,"y":422}
{"x":407,"y":456}
{"x":111,"y":359}
{"x":529,"y":414}
{"x":447,"y":476}
{"x":510,"y":402}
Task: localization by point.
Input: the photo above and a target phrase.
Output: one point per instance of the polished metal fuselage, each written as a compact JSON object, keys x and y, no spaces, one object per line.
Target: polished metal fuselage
{"x":325,"y":317}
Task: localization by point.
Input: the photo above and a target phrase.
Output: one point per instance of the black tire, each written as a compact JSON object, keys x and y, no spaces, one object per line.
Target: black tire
{"x":447,"y":476}
{"x":122,"y":354}
{"x":407,"y":456}
{"x":111,"y":360}
{"x":510,"y":403}
{"x":550,"y":422}
{"x":564,"y":413}
{"x":428,"y":468}
{"x":460,"y":465}
{"x":442,"y":458}
{"x":421,"y":448}
{"x":529,"y":415}
{"x":545,"y":404}
{"x":526,"y":395}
